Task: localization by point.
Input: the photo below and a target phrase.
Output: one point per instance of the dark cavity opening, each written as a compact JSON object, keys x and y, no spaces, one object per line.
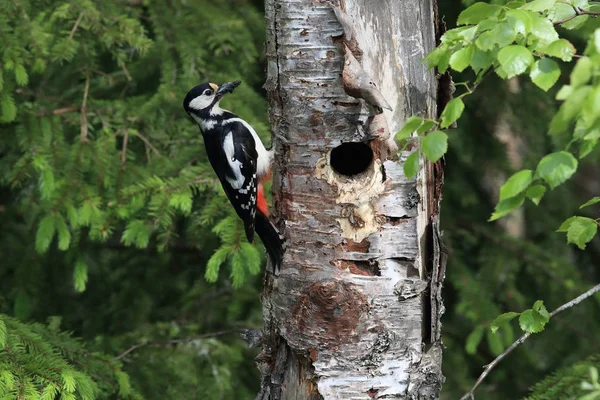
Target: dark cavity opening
{"x":351,"y":159}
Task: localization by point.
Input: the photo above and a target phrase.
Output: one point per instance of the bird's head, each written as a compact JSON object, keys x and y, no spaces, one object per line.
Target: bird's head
{"x":203,"y":100}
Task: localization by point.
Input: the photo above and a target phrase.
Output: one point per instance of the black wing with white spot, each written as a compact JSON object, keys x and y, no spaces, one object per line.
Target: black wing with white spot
{"x":238,"y":172}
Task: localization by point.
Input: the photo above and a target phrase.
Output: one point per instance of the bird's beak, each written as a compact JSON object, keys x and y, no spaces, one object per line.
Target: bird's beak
{"x":227,"y":88}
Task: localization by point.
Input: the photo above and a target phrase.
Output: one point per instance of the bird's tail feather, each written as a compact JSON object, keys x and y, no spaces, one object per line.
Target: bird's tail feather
{"x":274,"y":242}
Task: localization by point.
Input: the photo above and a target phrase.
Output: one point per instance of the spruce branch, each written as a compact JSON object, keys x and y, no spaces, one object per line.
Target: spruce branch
{"x":489,"y":367}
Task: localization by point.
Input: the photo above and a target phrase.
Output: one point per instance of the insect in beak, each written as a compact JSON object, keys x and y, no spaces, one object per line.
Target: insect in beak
{"x":227,"y":88}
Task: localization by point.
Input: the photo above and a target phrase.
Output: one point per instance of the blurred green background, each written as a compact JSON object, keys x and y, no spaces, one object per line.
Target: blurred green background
{"x":115,"y":230}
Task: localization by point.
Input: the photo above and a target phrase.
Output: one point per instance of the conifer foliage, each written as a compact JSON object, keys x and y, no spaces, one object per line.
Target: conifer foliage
{"x":109,"y":209}
{"x":38,"y":362}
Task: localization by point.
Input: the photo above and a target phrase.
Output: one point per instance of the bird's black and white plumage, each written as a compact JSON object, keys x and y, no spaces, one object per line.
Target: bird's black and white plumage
{"x":239,"y":159}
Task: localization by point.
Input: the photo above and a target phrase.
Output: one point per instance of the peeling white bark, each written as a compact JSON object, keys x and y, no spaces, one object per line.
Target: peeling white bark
{"x":354,"y":312}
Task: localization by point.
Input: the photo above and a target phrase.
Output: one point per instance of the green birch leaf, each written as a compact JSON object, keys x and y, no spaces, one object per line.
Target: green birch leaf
{"x":545,"y":73}
{"x":462,"y":58}
{"x":572,"y":106}
{"x":564,"y":227}
{"x":434,"y":145}
{"x":482,"y":60}
{"x":442,"y":65}
{"x":515,"y":60}
{"x":411,"y":165}
{"x":591,"y":202}
{"x":582,"y":73}
{"x":539,"y":5}
{"x":596,"y":40}
{"x":535,"y":193}
{"x":516,"y":184}
{"x":411,"y":125}
{"x":575,"y":22}
{"x":520,"y":21}
{"x":561,"y":48}
{"x":591,"y":109}
{"x":587,"y":146}
{"x":477,"y":12}
{"x":452,"y":112}
{"x":426,"y":127}
{"x":504,"y":34}
{"x":543,"y":30}
{"x":435,"y":56}
{"x":593,"y":132}
{"x":564,"y":92}
{"x":532,"y":322}
{"x":581,"y":231}
{"x":486,"y":41}
{"x":556,"y":168}
{"x":502,"y":319}
{"x":506,"y":206}
{"x":540,"y":309}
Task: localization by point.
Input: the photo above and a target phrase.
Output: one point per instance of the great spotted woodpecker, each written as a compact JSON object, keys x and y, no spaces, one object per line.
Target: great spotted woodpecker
{"x":239,"y":159}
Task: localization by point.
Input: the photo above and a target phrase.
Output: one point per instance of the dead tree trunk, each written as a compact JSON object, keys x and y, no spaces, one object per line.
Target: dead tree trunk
{"x":355,"y":311}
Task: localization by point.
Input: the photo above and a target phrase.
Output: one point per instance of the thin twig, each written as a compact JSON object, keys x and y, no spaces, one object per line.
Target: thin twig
{"x":488,"y":368}
{"x":39,"y":95}
{"x":72,"y":33}
{"x":147,"y":142}
{"x":578,"y":12}
{"x":64,"y":110}
{"x":124,"y":150}
{"x":58,"y":111}
{"x":175,"y":341}
{"x":84,"y":121}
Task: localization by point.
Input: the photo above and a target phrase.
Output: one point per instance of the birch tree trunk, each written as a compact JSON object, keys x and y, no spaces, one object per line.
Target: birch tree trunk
{"x":355,"y":311}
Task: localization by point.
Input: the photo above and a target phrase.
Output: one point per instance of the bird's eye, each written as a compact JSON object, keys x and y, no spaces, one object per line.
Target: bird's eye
{"x":207,"y":92}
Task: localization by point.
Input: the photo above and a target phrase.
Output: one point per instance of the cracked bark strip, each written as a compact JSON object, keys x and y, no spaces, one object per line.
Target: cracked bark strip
{"x":358,"y":84}
{"x":350,"y":316}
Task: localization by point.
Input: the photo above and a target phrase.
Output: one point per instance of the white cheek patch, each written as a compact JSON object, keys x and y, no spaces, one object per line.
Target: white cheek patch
{"x":201,"y":102}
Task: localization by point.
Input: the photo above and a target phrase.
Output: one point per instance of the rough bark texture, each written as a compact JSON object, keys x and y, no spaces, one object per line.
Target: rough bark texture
{"x":354,"y":312}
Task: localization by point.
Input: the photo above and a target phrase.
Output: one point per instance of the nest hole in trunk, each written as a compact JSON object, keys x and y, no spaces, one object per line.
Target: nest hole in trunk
{"x":351,"y":159}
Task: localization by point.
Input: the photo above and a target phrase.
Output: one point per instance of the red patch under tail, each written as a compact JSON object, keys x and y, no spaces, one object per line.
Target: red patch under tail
{"x":261,"y":202}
